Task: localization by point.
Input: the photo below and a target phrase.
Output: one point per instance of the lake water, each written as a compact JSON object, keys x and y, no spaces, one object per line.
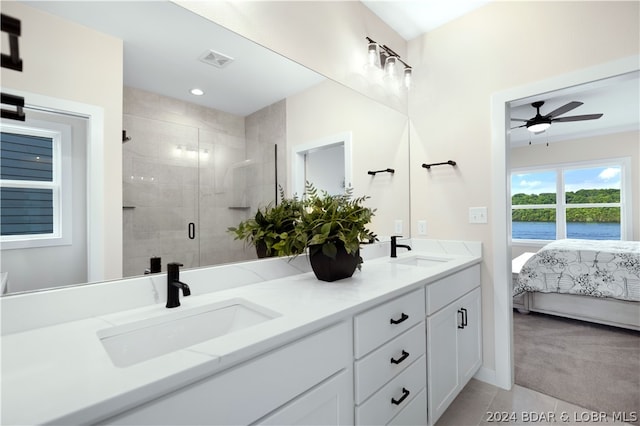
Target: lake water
{"x":580,"y":230}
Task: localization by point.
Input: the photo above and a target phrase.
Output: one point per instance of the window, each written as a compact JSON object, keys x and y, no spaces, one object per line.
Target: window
{"x":583,"y":201}
{"x":31,"y":185}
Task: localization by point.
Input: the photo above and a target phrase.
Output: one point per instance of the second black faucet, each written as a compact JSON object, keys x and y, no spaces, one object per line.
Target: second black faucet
{"x":395,"y":245}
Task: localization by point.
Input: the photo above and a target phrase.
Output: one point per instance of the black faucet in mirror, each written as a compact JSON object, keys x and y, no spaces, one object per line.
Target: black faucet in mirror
{"x":174,"y":285}
{"x":395,"y":245}
{"x":155,"y":266}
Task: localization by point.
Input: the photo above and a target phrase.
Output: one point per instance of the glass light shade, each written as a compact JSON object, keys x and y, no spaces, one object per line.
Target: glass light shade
{"x":390,"y":66}
{"x":374,"y":55}
{"x":538,"y":127}
{"x":407,"y":77}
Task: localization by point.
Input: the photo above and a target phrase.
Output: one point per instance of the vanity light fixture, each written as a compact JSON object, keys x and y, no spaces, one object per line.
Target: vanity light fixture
{"x":381,"y":56}
{"x":196,"y":92}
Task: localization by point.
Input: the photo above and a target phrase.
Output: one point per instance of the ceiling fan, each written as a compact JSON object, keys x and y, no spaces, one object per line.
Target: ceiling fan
{"x":540,"y":123}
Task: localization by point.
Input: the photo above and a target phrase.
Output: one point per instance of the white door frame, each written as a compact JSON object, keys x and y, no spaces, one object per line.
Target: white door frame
{"x":95,"y":171}
{"x":502,"y":300}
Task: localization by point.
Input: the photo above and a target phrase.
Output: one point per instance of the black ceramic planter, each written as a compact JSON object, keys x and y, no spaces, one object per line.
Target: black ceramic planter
{"x":328,"y":269}
{"x":261,"y":250}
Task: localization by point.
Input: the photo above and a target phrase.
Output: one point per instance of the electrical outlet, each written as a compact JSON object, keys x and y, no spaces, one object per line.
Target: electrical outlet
{"x":422,"y":227}
{"x":397,"y":227}
{"x":477,"y":215}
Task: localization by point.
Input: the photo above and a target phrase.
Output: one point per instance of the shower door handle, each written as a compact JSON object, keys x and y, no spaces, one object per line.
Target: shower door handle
{"x":192,"y":230}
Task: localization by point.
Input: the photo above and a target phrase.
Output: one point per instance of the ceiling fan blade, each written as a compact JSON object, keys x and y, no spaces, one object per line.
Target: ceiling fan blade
{"x":563,"y":109}
{"x":519,"y":119}
{"x":577,"y":118}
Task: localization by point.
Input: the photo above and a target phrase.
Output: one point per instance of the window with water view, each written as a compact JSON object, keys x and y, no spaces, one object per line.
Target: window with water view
{"x":583,"y":202}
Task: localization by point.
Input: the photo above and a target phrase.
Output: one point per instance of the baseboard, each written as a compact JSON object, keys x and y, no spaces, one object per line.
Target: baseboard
{"x":487,"y":375}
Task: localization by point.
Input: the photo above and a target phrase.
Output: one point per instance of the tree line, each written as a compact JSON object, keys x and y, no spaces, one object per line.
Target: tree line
{"x":586,"y":214}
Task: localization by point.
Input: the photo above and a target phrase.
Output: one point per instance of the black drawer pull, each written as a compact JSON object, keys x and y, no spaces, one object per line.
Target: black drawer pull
{"x":464,"y":317}
{"x":403,"y":318}
{"x":192,"y":230}
{"x":404,"y":356}
{"x":405,"y":394}
{"x":461,"y":322}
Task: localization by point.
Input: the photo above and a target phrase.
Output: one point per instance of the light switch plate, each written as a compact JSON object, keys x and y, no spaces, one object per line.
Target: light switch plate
{"x":477,"y":215}
{"x":422,"y":227}
{"x":397,"y":227}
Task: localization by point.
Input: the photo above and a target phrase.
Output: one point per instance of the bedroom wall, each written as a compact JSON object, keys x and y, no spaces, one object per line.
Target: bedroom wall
{"x":616,"y":145}
{"x":457,"y":68}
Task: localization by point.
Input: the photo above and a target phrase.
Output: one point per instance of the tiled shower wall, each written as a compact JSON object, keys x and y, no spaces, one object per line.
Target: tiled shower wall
{"x":190,"y":164}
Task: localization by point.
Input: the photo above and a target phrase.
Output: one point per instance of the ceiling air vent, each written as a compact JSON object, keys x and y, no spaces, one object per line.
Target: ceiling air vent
{"x":216,"y":59}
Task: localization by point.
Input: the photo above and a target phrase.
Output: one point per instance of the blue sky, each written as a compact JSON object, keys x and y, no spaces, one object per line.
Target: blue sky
{"x":575,"y":179}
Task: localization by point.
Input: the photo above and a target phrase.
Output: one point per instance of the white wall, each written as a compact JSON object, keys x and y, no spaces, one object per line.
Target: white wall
{"x":325,"y":169}
{"x":379,"y":141}
{"x":70,"y":62}
{"x":457,"y":68}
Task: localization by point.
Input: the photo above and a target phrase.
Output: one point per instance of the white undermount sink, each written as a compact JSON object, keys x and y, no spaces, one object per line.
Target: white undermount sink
{"x":142,"y":340}
{"x":423,"y":261}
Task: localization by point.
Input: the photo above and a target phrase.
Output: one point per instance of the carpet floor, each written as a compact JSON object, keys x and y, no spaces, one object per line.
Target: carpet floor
{"x":590,"y":365}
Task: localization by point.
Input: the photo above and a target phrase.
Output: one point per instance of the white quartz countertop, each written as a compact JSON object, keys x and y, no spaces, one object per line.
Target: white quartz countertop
{"x":62,"y":373}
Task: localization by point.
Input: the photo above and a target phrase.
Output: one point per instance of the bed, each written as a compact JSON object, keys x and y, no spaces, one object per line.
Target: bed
{"x":591,"y":280}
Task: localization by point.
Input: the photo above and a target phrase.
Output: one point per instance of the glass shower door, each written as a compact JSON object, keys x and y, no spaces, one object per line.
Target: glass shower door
{"x":160,"y":194}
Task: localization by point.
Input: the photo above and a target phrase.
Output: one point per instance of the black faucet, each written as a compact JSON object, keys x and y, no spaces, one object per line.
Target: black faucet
{"x":395,"y":245}
{"x":155,"y":266}
{"x":174,"y":285}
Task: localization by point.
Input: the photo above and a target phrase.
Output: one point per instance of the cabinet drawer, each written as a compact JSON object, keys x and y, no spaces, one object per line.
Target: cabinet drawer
{"x":415,"y":413}
{"x":247,"y":392}
{"x":394,"y":396}
{"x":382,"y":323}
{"x":377,"y":368}
{"x":444,"y":291}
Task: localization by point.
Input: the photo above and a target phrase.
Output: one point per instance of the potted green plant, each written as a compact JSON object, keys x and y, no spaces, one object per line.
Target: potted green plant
{"x":332,"y":227}
{"x":271,"y":227}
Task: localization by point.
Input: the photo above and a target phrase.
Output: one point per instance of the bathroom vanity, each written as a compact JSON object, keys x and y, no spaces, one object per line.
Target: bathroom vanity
{"x":256,"y":343}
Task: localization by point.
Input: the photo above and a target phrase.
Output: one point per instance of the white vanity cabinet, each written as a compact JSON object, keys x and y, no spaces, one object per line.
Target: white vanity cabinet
{"x":390,"y":367}
{"x":454,"y":344}
{"x":309,"y":380}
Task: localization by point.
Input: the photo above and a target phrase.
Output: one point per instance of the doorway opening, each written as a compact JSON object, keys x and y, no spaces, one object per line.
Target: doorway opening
{"x":501,"y":105}
{"x":326,"y":163}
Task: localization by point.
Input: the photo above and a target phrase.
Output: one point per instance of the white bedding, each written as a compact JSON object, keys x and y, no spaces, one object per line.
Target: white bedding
{"x":584,"y":267}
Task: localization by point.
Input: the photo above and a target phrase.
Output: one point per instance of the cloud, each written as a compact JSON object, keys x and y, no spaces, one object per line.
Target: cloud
{"x":609,"y":173}
{"x":530,"y":184}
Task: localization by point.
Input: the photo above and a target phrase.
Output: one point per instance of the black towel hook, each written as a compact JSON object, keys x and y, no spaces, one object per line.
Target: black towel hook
{"x":373,"y":173}
{"x":428,"y":166}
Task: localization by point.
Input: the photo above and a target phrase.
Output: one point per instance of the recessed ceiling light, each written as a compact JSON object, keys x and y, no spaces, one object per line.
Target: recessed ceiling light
{"x":197,"y":92}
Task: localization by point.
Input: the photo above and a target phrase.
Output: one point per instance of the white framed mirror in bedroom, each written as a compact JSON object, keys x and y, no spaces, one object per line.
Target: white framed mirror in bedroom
{"x":500,"y":148}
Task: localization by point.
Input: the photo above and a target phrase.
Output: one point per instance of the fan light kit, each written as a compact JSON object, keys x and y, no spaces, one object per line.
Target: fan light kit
{"x":539,"y":127}
{"x":540,"y":122}
{"x":381,"y":56}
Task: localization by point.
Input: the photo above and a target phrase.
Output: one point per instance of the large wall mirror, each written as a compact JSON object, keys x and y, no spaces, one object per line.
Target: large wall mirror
{"x":194,"y":165}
